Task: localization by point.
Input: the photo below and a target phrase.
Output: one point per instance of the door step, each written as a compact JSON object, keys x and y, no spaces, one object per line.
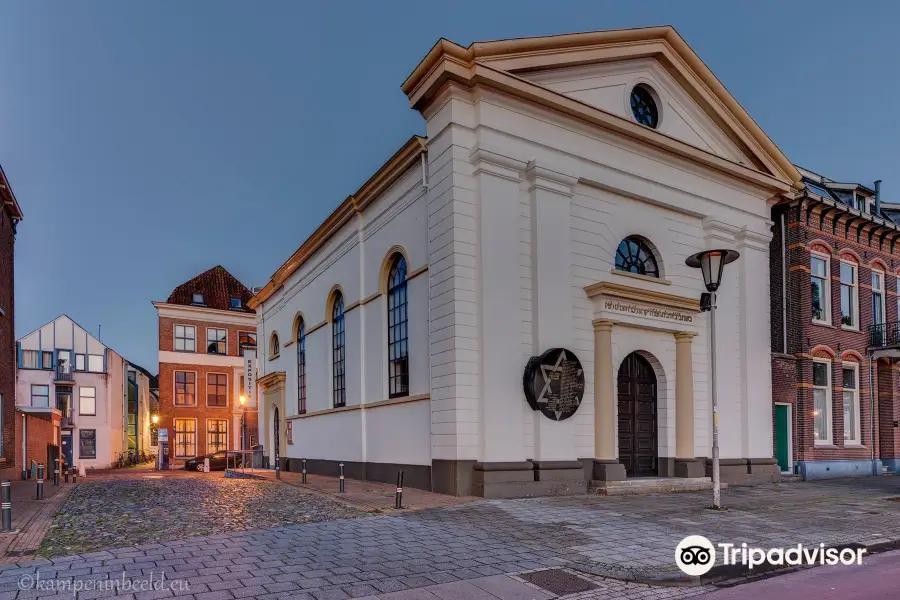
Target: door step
{"x":790,"y":478}
{"x":652,"y":485}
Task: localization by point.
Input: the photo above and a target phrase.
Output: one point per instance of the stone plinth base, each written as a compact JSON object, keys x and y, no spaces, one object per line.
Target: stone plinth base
{"x":608,"y":470}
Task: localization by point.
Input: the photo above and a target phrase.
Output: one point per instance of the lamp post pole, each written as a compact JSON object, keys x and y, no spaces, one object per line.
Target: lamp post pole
{"x":711,"y":264}
{"x":716,"y":474}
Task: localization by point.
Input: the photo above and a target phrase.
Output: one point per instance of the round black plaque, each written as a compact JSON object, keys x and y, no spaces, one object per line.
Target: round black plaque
{"x":554,"y":383}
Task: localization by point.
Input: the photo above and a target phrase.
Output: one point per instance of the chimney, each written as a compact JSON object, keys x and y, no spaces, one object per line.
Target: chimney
{"x":878,"y":197}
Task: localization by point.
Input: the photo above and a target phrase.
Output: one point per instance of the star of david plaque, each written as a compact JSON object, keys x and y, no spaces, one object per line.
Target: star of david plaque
{"x":554,"y":383}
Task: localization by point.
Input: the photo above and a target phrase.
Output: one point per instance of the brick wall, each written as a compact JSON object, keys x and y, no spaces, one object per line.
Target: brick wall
{"x":8,"y":456}
{"x":838,"y":345}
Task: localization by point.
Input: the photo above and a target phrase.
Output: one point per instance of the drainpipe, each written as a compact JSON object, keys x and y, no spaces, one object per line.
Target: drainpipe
{"x":872,"y":395}
{"x":878,"y":197}
{"x":24,"y":446}
{"x":784,"y":309}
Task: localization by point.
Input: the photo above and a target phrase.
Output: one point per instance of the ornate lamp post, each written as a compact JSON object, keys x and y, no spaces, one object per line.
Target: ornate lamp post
{"x":711,"y":263}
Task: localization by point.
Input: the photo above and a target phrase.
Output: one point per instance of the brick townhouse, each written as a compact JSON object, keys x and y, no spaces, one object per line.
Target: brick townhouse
{"x":204,"y":327}
{"x":834,"y":330}
{"x":10,"y":215}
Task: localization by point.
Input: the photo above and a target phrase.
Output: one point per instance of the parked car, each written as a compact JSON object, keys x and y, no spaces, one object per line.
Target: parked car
{"x":216,"y":462}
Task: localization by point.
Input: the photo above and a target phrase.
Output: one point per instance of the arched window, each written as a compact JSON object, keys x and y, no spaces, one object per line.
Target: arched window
{"x":274,"y":347}
{"x":339,"y":380}
{"x":398,"y":351}
{"x":635,"y":256}
{"x":301,"y":368}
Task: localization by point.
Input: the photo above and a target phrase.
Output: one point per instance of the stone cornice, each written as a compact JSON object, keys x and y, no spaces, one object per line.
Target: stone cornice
{"x":501,"y":64}
{"x":273,"y":379}
{"x":633,"y":294}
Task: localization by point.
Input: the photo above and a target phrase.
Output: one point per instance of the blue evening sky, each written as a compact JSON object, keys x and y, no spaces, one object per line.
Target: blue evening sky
{"x":149,"y":141}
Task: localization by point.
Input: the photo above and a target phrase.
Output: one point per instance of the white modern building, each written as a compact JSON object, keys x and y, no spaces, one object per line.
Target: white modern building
{"x":548,"y":213}
{"x":78,"y":399}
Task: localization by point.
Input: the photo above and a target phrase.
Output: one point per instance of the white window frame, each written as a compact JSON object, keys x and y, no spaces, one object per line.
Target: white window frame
{"x":175,"y":337}
{"x":90,"y":368}
{"x":881,"y":292}
{"x":32,"y":396}
{"x":854,"y":293}
{"x":175,"y":388}
{"x":209,"y":449}
{"x":216,"y":341}
{"x":81,"y":397}
{"x":829,"y":425}
{"x":826,"y":293}
{"x":855,"y":441}
{"x":175,"y":437}
{"x":227,"y":388}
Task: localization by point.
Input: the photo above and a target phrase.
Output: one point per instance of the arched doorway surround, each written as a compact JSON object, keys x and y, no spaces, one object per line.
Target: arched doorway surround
{"x":638,"y":418}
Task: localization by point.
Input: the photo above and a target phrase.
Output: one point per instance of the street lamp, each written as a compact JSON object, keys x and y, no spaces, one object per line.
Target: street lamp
{"x":243,"y":401}
{"x":155,"y":419}
{"x":711,"y":263}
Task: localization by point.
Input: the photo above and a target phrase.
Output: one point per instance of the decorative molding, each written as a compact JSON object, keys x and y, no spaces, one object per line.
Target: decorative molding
{"x":415,"y":273}
{"x":272,"y":379}
{"x":639,"y":277}
{"x":367,"y":406}
{"x":208,"y":315}
{"x":387,"y":175}
{"x":500,"y":64}
{"x":374,"y":296}
{"x":633,"y":294}
{"x":541,"y":178}
{"x":317,"y":326}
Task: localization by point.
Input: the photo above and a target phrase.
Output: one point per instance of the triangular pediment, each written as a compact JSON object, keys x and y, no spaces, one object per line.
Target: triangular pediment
{"x":590,"y":76}
{"x":608,"y":86}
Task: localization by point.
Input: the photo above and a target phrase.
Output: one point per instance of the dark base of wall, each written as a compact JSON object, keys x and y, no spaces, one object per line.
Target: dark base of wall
{"x":452,"y":477}
{"x":746,"y":471}
{"x":416,"y":476}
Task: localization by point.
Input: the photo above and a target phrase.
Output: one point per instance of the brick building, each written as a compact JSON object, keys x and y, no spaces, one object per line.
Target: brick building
{"x":204,"y":327}
{"x":10,"y":215}
{"x":834,"y":330}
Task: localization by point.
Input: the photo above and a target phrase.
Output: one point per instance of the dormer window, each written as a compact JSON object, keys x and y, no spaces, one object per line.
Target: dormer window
{"x":236,"y":303}
{"x":859,"y":202}
{"x":197,"y":298}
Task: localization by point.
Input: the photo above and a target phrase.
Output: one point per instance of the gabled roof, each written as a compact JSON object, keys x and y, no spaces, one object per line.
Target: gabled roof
{"x":501,"y":65}
{"x":217,"y":285}
{"x":87,"y":331}
{"x":7,"y":198}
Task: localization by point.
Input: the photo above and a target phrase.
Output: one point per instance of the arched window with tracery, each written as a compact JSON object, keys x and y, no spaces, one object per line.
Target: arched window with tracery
{"x":338,"y":374}
{"x":635,"y":256}
{"x":398,"y":334}
{"x":274,"y":347}
{"x":301,"y":367}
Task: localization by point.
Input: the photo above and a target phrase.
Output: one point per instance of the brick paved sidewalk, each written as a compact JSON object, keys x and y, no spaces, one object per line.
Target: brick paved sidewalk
{"x":366,"y":495}
{"x":601,"y":539}
{"x":31,"y":518}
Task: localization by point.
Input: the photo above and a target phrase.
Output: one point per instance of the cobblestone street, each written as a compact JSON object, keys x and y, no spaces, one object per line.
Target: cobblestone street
{"x":134,"y":508}
{"x":605,"y":541}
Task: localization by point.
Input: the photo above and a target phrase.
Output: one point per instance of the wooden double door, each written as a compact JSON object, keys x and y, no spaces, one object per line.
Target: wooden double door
{"x":637,"y":417}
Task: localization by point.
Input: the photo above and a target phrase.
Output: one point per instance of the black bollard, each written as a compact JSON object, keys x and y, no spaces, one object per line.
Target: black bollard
{"x":6,"y":504}
{"x":304,"y":470}
{"x":277,"y":467}
{"x":342,"y":478}
{"x":74,"y":474}
{"x":398,"y":499}
{"x":65,"y":471}
{"x":40,"y":481}
{"x":56,"y":472}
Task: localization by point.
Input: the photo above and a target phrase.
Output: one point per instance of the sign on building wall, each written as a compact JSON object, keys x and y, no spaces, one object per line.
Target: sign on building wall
{"x":250,"y":375}
{"x":554,"y":383}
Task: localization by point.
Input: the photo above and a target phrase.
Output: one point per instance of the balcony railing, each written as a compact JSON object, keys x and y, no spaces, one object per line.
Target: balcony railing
{"x":64,"y":373}
{"x":882,"y":335}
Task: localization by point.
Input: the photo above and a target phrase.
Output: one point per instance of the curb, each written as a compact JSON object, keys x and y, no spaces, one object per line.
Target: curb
{"x":722,"y":576}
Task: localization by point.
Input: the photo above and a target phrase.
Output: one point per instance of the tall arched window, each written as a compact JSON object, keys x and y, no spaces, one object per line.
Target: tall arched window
{"x":274,"y":347}
{"x":398,"y":351}
{"x":635,"y":256}
{"x":301,"y":368}
{"x":339,"y":380}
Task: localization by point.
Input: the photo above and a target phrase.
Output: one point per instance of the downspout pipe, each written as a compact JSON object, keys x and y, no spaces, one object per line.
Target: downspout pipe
{"x":873,"y":393}
{"x":784,"y":267}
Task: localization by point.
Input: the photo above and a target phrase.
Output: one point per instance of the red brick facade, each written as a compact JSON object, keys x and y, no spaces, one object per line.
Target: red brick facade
{"x":217,"y":287}
{"x":838,"y":235}
{"x":10,"y":463}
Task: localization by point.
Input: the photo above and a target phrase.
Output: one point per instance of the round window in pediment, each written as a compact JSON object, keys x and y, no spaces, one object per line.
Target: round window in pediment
{"x":643,"y":106}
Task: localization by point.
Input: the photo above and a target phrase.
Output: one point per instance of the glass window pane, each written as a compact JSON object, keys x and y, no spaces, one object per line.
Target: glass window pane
{"x":848,"y":273}
{"x":820,"y":374}
{"x":817,"y":266}
{"x":820,"y":415}
{"x":849,"y":379}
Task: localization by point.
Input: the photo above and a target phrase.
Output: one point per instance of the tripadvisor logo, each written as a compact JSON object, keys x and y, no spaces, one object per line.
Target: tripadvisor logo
{"x":695,"y":555}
